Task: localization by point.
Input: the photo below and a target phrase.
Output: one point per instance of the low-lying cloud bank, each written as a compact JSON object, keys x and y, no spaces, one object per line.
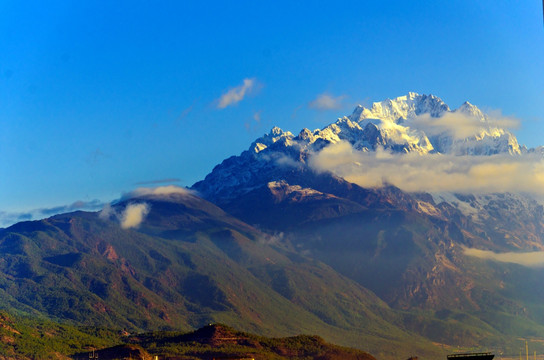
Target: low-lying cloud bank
{"x":433,"y":172}
{"x":461,"y":125}
{"x":530,"y":259}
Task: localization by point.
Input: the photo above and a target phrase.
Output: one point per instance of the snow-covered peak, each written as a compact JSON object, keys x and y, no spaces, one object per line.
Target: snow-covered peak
{"x":410,"y":123}
{"x":275,"y":135}
{"x":471,"y":110}
{"x":397,"y":120}
{"x":402,"y":107}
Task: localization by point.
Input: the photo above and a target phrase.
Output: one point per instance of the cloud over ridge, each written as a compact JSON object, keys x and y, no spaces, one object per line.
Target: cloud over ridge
{"x":159,"y":190}
{"x":433,"y":172}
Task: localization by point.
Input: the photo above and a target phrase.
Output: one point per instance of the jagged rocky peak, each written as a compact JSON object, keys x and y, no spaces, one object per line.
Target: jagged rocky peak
{"x":404,"y":124}
{"x":274,"y":136}
{"x":393,"y":124}
{"x":401,"y":108}
{"x":471,"y":110}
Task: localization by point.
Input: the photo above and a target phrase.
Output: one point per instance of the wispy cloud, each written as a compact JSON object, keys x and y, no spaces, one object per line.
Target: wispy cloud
{"x":255,"y":124}
{"x":236,"y":94}
{"x":9,"y":218}
{"x":159,"y":181}
{"x":95,"y":157}
{"x":295,"y":111}
{"x":186,"y":112}
{"x":133,"y":215}
{"x":77,"y":205}
{"x":327,"y":102}
{"x":257,"y":116}
{"x":130,"y":217}
{"x":158,"y":191}
{"x":434,"y":172}
{"x":530,"y":259}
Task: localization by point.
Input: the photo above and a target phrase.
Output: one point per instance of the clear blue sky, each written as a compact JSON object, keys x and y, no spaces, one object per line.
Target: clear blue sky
{"x":98,"y":97}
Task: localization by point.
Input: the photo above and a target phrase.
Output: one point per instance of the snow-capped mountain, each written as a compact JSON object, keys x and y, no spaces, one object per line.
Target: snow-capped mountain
{"x":407,"y":247}
{"x":425,"y":120}
{"x":414,"y":123}
{"x":403,"y":107}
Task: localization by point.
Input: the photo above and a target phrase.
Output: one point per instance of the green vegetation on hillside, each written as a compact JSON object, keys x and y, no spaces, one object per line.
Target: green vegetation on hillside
{"x":30,"y":338}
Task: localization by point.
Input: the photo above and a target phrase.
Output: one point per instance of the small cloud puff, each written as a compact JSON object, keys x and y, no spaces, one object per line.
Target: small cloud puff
{"x":133,"y":215}
{"x":530,"y":259}
{"x":236,"y":94}
{"x":327,"y":102}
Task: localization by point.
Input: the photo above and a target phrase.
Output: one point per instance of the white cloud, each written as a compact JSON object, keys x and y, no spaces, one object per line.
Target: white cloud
{"x":434,"y":172}
{"x":531,"y":259}
{"x":326,"y":102}
{"x":461,"y":125}
{"x":133,"y":215}
{"x":497,"y":119}
{"x":236,"y":94}
{"x":162,"y":191}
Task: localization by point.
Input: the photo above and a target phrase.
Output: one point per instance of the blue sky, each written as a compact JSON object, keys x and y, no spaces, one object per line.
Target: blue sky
{"x":97,"y":98}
